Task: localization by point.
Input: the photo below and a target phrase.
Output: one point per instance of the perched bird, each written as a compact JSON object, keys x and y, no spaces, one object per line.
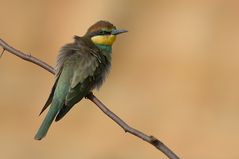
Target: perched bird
{"x":81,"y":67}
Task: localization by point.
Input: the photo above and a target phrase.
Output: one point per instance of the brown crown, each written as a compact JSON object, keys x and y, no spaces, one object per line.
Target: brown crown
{"x":99,"y":25}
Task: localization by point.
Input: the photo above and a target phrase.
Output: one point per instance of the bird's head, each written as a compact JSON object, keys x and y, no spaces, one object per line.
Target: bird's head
{"x":103,"y":33}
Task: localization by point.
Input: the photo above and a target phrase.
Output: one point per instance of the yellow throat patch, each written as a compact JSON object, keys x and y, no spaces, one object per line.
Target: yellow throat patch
{"x":103,"y":39}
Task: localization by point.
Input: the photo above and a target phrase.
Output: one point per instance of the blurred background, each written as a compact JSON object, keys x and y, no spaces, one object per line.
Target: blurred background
{"x":175,"y":75}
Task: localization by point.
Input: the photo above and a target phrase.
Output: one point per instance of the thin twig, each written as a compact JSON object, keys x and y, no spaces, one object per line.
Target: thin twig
{"x":150,"y":139}
{"x":2,"y":52}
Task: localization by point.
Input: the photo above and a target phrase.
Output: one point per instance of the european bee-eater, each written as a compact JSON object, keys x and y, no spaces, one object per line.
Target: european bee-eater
{"x":81,"y":67}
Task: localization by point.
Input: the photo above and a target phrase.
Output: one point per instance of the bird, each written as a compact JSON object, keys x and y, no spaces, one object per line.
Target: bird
{"x":81,"y":67}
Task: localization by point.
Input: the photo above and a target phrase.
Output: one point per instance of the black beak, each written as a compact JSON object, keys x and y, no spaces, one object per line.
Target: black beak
{"x":118,"y":31}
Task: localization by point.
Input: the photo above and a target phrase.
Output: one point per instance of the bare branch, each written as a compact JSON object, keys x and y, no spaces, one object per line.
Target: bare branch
{"x":150,"y":139}
{"x":26,"y":57}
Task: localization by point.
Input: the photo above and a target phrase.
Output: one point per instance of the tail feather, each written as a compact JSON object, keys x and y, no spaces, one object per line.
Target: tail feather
{"x":50,"y":98}
{"x":66,"y":108}
{"x":42,"y":131}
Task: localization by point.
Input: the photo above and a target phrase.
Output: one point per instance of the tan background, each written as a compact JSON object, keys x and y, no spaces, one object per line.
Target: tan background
{"x":175,"y":75}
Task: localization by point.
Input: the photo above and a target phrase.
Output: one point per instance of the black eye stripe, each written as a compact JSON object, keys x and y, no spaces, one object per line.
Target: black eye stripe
{"x":107,"y":32}
{"x":100,"y":32}
{"x":104,"y":32}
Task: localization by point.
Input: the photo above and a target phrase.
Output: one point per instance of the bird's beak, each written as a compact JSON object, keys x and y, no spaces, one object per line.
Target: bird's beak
{"x":118,"y":31}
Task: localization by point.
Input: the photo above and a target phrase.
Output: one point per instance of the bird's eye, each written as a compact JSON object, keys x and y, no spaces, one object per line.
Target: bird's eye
{"x":105,"y":32}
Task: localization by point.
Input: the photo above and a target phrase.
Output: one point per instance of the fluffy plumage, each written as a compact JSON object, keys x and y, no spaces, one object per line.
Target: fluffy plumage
{"x":81,"y":67}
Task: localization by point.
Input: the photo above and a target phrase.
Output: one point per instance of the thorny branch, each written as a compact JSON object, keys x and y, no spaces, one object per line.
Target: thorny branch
{"x":150,"y":139}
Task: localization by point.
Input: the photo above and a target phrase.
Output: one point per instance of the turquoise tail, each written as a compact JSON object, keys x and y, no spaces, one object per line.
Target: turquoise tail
{"x":42,"y":131}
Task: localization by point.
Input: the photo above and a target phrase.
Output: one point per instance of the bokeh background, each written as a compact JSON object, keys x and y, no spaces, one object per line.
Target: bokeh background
{"x":175,"y":75}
